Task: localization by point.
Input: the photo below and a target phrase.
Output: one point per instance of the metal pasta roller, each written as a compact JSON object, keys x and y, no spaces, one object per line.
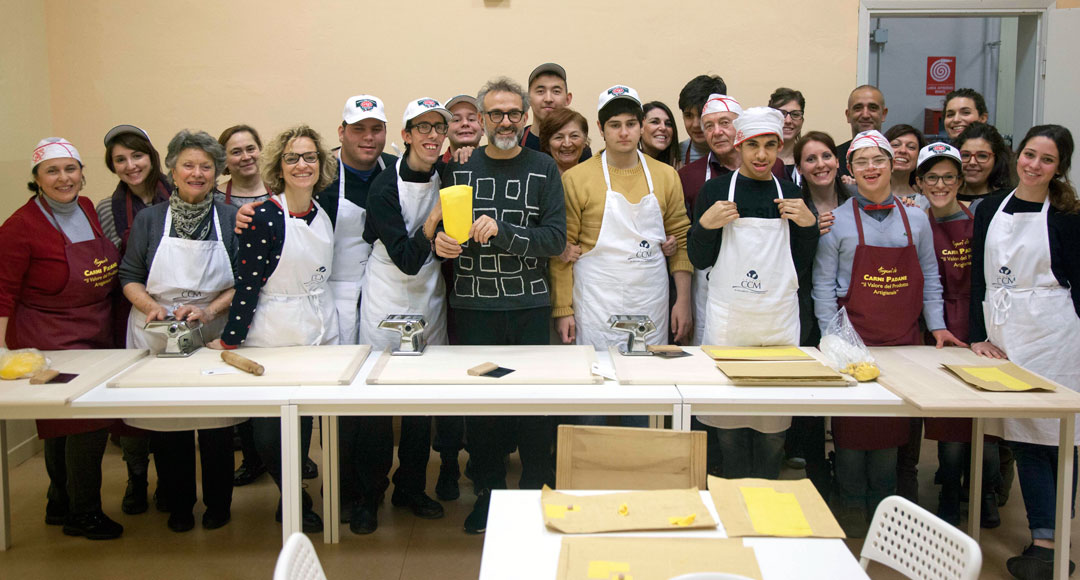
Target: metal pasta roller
{"x":637,"y":326}
{"x":411,"y":328}
{"x":182,"y":337}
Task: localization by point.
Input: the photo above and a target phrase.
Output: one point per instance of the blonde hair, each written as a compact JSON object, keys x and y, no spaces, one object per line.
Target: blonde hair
{"x":270,"y":159}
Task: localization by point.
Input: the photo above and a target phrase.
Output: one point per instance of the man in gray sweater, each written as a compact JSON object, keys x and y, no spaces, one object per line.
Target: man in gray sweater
{"x":500,"y":293}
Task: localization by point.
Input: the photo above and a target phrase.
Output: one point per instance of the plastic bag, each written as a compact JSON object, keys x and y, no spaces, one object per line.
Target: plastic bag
{"x":457,"y":211}
{"x":22,"y":363}
{"x":845,"y":351}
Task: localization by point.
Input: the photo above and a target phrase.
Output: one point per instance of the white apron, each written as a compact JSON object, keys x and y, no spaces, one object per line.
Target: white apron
{"x":626,"y":272}
{"x":1029,"y":315}
{"x":753,"y":296}
{"x":699,"y":291}
{"x":296,"y":306}
{"x":184,"y":272}
{"x":351,"y":254}
{"x":388,"y":290}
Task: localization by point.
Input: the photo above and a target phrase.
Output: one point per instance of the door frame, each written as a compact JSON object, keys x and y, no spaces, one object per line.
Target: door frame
{"x":969,"y":8}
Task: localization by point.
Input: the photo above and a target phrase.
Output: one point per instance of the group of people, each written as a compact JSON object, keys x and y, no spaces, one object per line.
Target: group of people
{"x":749,"y":232}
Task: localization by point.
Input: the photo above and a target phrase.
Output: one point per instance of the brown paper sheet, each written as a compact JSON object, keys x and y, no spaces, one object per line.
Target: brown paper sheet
{"x":666,"y":509}
{"x":656,"y":558}
{"x":729,"y":500}
{"x":1007,"y":377}
{"x":755,"y":352}
{"x":783,"y":373}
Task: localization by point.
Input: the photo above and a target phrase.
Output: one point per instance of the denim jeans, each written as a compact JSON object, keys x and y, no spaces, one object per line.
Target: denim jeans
{"x":749,"y":453}
{"x":1036,"y":466}
{"x":864,"y":478}
{"x":953,"y":458}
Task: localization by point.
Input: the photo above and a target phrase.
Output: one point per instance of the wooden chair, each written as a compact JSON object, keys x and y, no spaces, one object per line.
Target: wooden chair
{"x":629,"y":458}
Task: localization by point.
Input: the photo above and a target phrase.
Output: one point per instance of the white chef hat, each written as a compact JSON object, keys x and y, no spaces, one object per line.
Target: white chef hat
{"x":871,"y":138}
{"x":757,"y":121}
{"x":52,"y":148}
{"x":721,"y":104}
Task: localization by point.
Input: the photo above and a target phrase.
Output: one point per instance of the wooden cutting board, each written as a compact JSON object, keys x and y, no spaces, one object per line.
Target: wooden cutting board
{"x":449,"y":365}
{"x":92,"y":366}
{"x":285,"y":366}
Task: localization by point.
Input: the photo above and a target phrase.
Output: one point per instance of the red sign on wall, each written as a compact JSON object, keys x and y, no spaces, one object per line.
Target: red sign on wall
{"x":940,"y":75}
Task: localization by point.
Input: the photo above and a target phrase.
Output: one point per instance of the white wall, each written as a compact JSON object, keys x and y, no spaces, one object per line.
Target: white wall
{"x":1062,"y":82}
{"x":902,"y":62}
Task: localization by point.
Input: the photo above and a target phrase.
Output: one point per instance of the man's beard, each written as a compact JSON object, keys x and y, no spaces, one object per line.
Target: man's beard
{"x":505,"y":142}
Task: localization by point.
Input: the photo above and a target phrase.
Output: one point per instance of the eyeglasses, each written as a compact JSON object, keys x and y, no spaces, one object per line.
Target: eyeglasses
{"x":795,"y":115}
{"x":932,"y":179}
{"x":497,"y":116}
{"x":424,"y":127}
{"x":876,"y":162}
{"x":980,"y":157}
{"x":294,"y":158}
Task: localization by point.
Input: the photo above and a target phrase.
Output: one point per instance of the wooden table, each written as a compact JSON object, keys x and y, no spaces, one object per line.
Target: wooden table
{"x":518,"y":545}
{"x":914,"y":374}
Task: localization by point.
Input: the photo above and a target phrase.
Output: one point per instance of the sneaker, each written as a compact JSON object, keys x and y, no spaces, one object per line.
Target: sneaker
{"x":476,"y":521}
{"x":1035,"y":563}
{"x":795,"y":463}
{"x":93,"y":526}
{"x":421,"y":505}
{"x":134,"y":501}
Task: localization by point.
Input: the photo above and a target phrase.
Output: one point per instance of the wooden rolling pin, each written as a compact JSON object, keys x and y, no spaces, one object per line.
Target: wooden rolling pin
{"x":243,"y":363}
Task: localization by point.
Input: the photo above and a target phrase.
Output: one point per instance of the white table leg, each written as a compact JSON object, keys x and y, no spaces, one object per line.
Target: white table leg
{"x":680,"y":418}
{"x":291,"y":519}
{"x":656,"y":421}
{"x":975,"y":479}
{"x":5,"y":492}
{"x":331,"y":490}
{"x":1063,"y":523}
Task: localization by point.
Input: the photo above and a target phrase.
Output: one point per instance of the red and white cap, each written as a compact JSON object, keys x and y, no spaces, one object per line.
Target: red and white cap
{"x":757,"y":121}
{"x":718,"y":103}
{"x":871,"y":138}
{"x":935,"y":151}
{"x":363,"y":107}
{"x":617,"y":92}
{"x":424,"y":105}
{"x":53,"y":148}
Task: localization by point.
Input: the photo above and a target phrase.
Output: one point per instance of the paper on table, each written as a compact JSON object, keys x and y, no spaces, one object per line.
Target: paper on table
{"x":782,"y":373}
{"x":1003,"y":377}
{"x":775,"y":514}
{"x":653,"y":558}
{"x":666,"y":509}
{"x":755,"y":353}
{"x":734,"y":509}
{"x":457,"y":211}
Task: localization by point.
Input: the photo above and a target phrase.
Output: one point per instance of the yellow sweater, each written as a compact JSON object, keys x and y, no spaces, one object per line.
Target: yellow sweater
{"x":586,"y":195}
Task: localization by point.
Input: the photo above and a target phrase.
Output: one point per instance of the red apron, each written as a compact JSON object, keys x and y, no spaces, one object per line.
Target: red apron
{"x":884,"y":301}
{"x":952,"y":243}
{"x":78,"y":317}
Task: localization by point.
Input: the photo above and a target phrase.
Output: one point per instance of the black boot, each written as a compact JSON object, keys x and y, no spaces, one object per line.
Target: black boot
{"x":446,"y":488}
{"x":990,"y":518}
{"x":135,"y":496}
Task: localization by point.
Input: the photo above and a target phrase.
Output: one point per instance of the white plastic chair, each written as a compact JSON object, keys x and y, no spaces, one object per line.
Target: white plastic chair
{"x":298,"y":560}
{"x":915,"y":542}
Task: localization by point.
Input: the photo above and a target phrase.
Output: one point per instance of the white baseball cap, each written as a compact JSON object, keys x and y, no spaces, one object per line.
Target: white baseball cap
{"x":757,"y":121}
{"x":934,"y":151}
{"x":617,"y":92}
{"x":363,"y":107}
{"x":871,"y":138}
{"x":718,"y":103}
{"x":53,"y":148}
{"x":424,"y":105}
